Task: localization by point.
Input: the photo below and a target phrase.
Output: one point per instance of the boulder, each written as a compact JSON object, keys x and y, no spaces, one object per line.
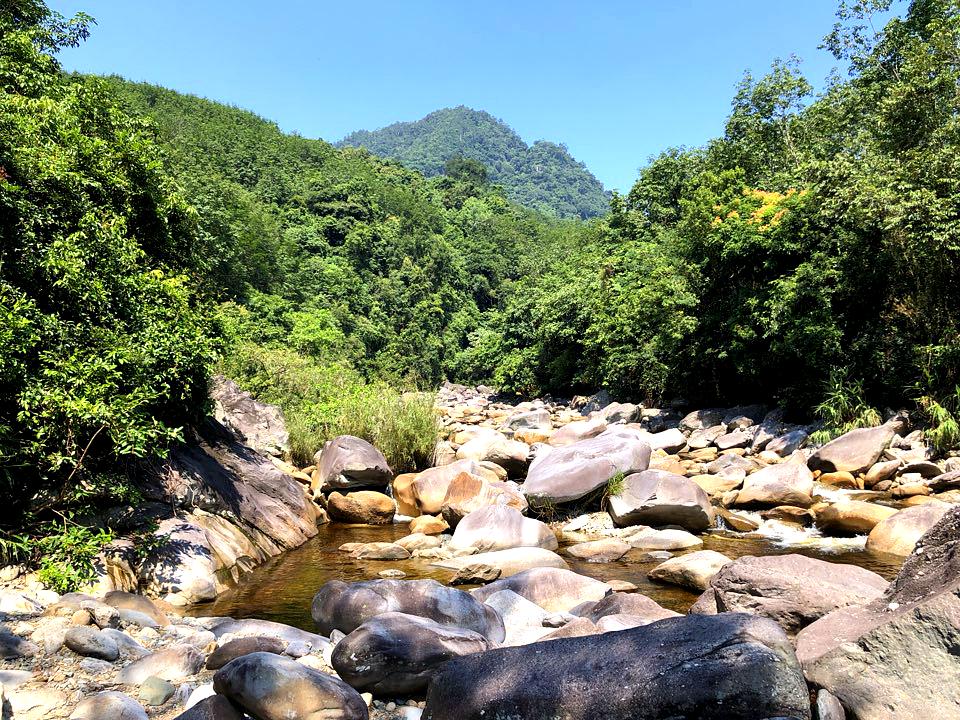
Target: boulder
{"x":349,"y":462}
{"x":254,"y":423}
{"x":736,"y":439}
{"x":137,"y":603}
{"x":419,"y":541}
{"x":599,"y":551}
{"x":693,"y":570}
{"x":365,"y":507}
{"x":670,"y":441}
{"x":396,"y":653}
{"x":632,"y":604}
{"x":896,"y":657}
{"x":700,"y":419}
{"x":880,"y":471}
{"x":499,"y":527}
{"x":854,"y":452}
{"x":945,"y":481}
{"x":655,"y":497}
{"x":272,"y":687}
{"x":108,"y":705}
{"x":899,"y":533}
{"x":91,"y":642}
{"x":428,"y":525}
{"x":794,"y":590}
{"x":174,"y":662}
{"x":538,"y":419}
{"x":243,"y":646}
{"x":345,"y":606}
{"x":553,"y":589}
{"x":214,"y":707}
{"x":506,"y":562}
{"x":851,"y":517}
{"x":742,"y":664}
{"x":511,"y":455}
{"x":380,"y":551}
{"x":786,"y":445}
{"x":571,"y":472}
{"x":620,"y":413}
{"x":467,"y":493}
{"x":787,"y":484}
{"x":430,"y":487}
{"x":402,"y":486}
{"x":644,"y":538}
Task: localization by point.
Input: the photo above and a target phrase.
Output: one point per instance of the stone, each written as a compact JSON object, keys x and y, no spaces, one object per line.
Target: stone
{"x":468,"y":493}
{"x":428,"y":525}
{"x":91,"y":642}
{"x":599,"y":551}
{"x":655,"y":497}
{"x":620,"y":413}
{"x":14,"y":603}
{"x":345,"y":606}
{"x":108,"y":705}
{"x":430,"y":486}
{"x":499,"y":527}
{"x":215,"y":707}
{"x":578,"y":627}
{"x":381,"y":551}
{"x":737,"y":439}
{"x":243,"y":646}
{"x":700,"y":419}
{"x":418,"y":541}
{"x":692,"y":571}
{"x":737,"y":522}
{"x":742,"y":664}
{"x":828,"y":707}
{"x":347,"y":461}
{"x":899,"y":533}
{"x":645,"y":538}
{"x":854,"y":452}
{"x":272,"y":687}
{"x":718,"y":484}
{"x":154,"y":691}
{"x":632,"y":604}
{"x":577,"y":431}
{"x":538,"y":419}
{"x":511,"y":455}
{"x":402,"y":487}
{"x":896,"y":657}
{"x":670,"y":441}
{"x":880,"y":471}
{"x":793,"y":590}
{"x":365,"y":507}
{"x":253,"y":423}
{"x":553,"y":589}
{"x":173,"y":663}
{"x":476,"y":573}
{"x":851,"y":517}
{"x":840,"y":479}
{"x":229,"y":629}
{"x":705,"y":437}
{"x":786,"y":445}
{"x":13,"y":646}
{"x":397,"y":653}
{"x":505,"y":562}
{"x":786,"y":484}
{"x":945,"y":481}
{"x":574,"y":471}
{"x":137,"y":603}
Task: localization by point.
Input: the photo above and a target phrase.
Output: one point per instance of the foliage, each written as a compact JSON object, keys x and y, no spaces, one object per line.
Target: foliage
{"x":66,"y":553}
{"x":543,"y":176}
{"x":843,"y":409}
{"x":943,"y":421}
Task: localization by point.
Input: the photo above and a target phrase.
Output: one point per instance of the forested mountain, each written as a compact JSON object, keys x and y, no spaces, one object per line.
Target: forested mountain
{"x":543,"y":176}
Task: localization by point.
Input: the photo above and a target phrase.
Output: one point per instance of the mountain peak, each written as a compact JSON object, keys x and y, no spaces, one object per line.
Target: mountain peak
{"x":543,"y":176}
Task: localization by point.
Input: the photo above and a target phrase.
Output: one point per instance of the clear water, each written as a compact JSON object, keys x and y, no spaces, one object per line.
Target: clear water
{"x":283,"y":588}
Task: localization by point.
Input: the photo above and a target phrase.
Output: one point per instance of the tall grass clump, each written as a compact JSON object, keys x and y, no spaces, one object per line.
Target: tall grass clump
{"x":322,"y":400}
{"x":843,"y":409}
{"x":942,"y":418}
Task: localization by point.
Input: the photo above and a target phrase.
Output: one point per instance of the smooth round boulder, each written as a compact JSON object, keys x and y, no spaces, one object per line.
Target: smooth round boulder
{"x":505,"y":562}
{"x":429,"y":488}
{"x":599,"y":551}
{"x":428,"y":525}
{"x":136,"y":603}
{"x":553,"y":589}
{"x":214,"y":707}
{"x":468,"y":493}
{"x":243,"y":646}
{"x":346,"y":606}
{"x":856,"y":451}
{"x":656,"y":497}
{"x":632,"y":604}
{"x":273,"y":687}
{"x":500,"y":527}
{"x":511,"y":455}
{"x":693,"y":570}
{"x":347,"y":461}
{"x":365,"y":507}
{"x":397,"y":653}
{"x":173,"y":663}
{"x":734,"y":666}
{"x":786,"y":484}
{"x":91,"y":642}
{"x":851,"y":517}
{"x":899,"y":533}
{"x":109,"y":705}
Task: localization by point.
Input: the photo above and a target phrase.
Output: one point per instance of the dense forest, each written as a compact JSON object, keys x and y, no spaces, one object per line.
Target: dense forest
{"x":148,"y":239}
{"x":542,"y":176}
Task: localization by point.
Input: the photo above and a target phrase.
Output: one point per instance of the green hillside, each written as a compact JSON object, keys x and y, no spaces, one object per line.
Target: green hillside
{"x":543,"y":176}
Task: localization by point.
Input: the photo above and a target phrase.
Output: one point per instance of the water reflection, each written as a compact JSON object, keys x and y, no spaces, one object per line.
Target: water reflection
{"x":283,"y":588}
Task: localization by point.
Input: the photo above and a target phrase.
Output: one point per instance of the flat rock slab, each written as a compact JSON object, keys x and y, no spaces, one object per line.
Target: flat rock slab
{"x":553,"y":589}
{"x":508,"y":562}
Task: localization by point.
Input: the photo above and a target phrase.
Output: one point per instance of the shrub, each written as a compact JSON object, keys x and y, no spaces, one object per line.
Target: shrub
{"x":843,"y":409}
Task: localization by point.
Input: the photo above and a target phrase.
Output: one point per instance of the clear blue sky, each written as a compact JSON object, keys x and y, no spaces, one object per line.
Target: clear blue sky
{"x":617,"y":81}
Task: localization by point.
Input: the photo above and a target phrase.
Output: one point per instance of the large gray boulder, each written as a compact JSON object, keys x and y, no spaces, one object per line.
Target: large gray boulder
{"x":553,"y":589}
{"x":855,"y":451}
{"x":347,"y":461}
{"x":565,"y":474}
{"x":396,"y":653}
{"x":896,"y":657}
{"x":538,"y":419}
{"x":272,"y":687}
{"x":346,"y":606}
{"x":658,"y":497}
{"x":500,"y":527}
{"x":733,"y":666}
{"x":793,"y":590}
{"x":254,"y":423}
{"x":899,"y":533}
{"x":511,"y":455}
{"x":787,"y":484}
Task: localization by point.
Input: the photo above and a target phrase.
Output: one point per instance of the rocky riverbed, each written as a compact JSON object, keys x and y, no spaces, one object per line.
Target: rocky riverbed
{"x":578,"y":559}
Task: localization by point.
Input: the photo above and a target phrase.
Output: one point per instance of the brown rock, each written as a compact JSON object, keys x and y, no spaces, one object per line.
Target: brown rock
{"x":899,"y":533}
{"x":364,"y":506}
{"x":852,"y":517}
{"x":428,"y":525}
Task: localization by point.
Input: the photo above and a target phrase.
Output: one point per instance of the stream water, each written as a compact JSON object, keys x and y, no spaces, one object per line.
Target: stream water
{"x":283,"y":588}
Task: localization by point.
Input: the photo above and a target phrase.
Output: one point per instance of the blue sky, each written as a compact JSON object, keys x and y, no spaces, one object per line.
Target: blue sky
{"x":616,"y":81}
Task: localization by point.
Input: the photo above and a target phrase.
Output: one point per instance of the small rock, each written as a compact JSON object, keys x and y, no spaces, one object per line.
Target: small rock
{"x":154,"y":691}
{"x":109,"y":705}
